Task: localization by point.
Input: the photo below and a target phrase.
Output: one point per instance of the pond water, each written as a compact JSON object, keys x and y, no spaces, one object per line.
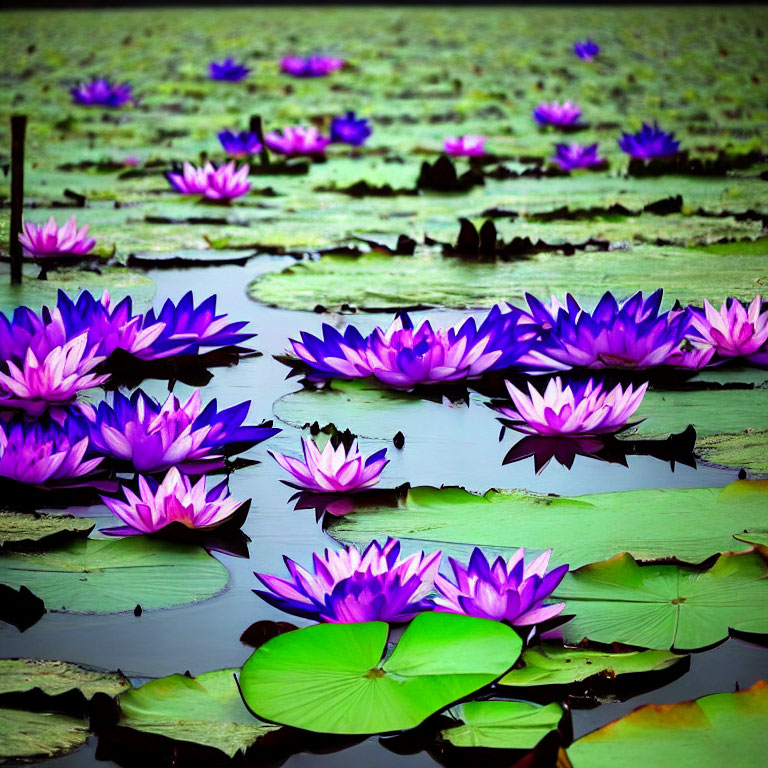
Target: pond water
{"x":444,"y":445}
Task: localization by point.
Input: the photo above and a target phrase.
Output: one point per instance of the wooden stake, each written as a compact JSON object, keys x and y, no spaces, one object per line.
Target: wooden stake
{"x":258,"y":129}
{"x":18,"y":131}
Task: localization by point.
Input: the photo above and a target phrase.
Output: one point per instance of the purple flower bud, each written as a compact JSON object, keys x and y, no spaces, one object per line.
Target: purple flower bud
{"x":649,"y":142}
{"x":297,"y":141}
{"x":227,"y":70}
{"x":101,"y":93}
{"x":565,"y":115}
{"x":572,"y":156}
{"x":586,"y":49}
{"x":465,"y":146}
{"x":240,"y":145}
{"x":310,"y":66}
{"x":350,"y":130}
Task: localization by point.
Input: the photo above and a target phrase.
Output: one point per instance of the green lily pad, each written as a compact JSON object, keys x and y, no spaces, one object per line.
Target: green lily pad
{"x":501,"y":724}
{"x":331,"y":678}
{"x":34,"y":293}
{"x":96,"y":576}
{"x":665,"y":606}
{"x":374,"y":281}
{"x":716,"y":730}
{"x":553,"y":664}
{"x":689,"y":524}
{"x":206,"y":709}
{"x":56,"y":677}
{"x":40,"y":529}
{"x":748,"y":450}
{"x":27,"y":735}
{"x":360,"y":406}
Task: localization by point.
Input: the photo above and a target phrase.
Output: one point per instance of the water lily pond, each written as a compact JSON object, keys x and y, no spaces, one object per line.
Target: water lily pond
{"x":384,"y":387}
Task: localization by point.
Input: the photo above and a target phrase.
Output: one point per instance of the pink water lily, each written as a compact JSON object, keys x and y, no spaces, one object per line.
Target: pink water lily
{"x":49,"y":240}
{"x":175,"y":500}
{"x":338,"y":468}
{"x":579,"y":409}
{"x":508,"y":590}
{"x":732,"y":331}
{"x":53,"y":377}
{"x":221,"y":184}
{"x":296,"y":140}
{"x":465,"y":146}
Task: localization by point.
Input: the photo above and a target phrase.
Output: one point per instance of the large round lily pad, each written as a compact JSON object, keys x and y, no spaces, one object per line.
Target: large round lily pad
{"x":502,"y":724}
{"x":689,"y":524}
{"x":95,"y":576}
{"x":717,"y":730}
{"x":206,"y":709}
{"x":56,"y":677}
{"x":666,"y":606}
{"x":554,"y":664}
{"x":374,"y":281}
{"x":331,"y":678}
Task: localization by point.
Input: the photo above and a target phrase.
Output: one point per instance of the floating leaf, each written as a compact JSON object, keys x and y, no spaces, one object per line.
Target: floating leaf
{"x":748,"y":450}
{"x":27,"y":735}
{"x":554,"y":664}
{"x":96,"y":576}
{"x":665,"y":606}
{"x":717,"y":730}
{"x":206,"y":710}
{"x":502,"y":724}
{"x":54,"y":678}
{"x":331,"y":677}
{"x":689,"y":524}
{"x":17,"y":528}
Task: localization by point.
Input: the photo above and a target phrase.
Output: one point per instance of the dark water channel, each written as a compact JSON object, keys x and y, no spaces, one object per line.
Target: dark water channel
{"x":460,"y":447}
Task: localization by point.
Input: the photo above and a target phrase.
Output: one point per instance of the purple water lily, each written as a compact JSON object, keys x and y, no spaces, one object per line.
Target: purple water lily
{"x":404,"y":356}
{"x":506,"y":591}
{"x":649,"y":143}
{"x":51,"y":241}
{"x":240,"y":145}
{"x":221,"y":185}
{"x":586,"y":49}
{"x":633,"y":334}
{"x":565,"y":115}
{"x":227,"y":70}
{"x":465,"y":146}
{"x":50,"y":374}
{"x":733,"y":330}
{"x":44,"y":454}
{"x":294,"y":141}
{"x":336,"y":354}
{"x":585,"y":408}
{"x":310,"y":66}
{"x":338,"y":468}
{"x":175,"y":500}
{"x":153,"y":437}
{"x":101,"y":93}
{"x":572,"y":156}
{"x":350,"y":129}
{"x":348,"y":586}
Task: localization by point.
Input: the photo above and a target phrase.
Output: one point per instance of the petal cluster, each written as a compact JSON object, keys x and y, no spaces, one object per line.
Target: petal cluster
{"x":175,"y":500}
{"x":733,"y":330}
{"x":649,"y":142}
{"x":295,"y":140}
{"x":239,"y":145}
{"x":44,"y":454}
{"x":586,"y":49}
{"x":310,"y":66}
{"x":227,"y":70}
{"x":50,"y":240}
{"x":350,"y":129}
{"x":101,"y":93}
{"x":151,"y":437}
{"x":465,"y":146}
{"x":573,"y":156}
{"x":350,"y":586}
{"x":221,"y":184}
{"x":50,"y":374}
{"x":556,"y":114}
{"x":572,"y":409}
{"x":338,"y":468}
{"x":507,"y":590}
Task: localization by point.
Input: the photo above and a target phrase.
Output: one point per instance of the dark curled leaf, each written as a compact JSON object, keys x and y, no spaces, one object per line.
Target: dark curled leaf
{"x":22,"y":608}
{"x":261,"y":631}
